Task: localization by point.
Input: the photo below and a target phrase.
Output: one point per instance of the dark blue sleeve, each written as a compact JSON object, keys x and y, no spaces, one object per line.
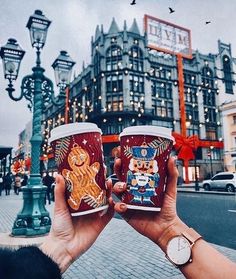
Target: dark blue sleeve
{"x":27,"y":262}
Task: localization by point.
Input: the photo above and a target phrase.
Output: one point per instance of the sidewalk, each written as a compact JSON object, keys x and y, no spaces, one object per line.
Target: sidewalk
{"x":119,"y":252}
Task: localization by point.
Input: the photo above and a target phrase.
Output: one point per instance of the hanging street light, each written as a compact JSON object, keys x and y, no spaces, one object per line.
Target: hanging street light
{"x":36,"y":88}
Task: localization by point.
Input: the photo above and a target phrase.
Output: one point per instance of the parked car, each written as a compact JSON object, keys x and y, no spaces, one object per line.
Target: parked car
{"x":221,"y":181}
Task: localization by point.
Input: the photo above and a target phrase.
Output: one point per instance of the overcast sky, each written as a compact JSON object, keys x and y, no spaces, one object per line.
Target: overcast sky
{"x":75,"y":21}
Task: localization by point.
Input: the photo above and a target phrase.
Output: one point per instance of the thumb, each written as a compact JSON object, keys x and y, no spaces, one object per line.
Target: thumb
{"x":173,"y":173}
{"x":60,"y":201}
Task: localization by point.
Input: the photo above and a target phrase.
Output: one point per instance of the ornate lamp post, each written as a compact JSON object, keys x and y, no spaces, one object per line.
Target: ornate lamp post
{"x":33,"y":219}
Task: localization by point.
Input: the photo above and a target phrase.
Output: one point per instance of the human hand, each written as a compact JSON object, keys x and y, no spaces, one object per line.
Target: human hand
{"x":152,"y":224}
{"x":70,"y":237}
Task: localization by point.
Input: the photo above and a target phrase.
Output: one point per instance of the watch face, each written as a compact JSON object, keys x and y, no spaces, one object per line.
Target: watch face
{"x":178,"y":250}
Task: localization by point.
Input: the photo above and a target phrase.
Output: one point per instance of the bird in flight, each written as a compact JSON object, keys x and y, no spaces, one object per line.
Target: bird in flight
{"x":207,"y":22}
{"x":133,"y":2}
{"x":171,"y":10}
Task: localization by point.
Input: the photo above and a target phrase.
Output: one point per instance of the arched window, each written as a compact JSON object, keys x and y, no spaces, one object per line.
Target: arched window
{"x":207,"y":77}
{"x":114,"y":58}
{"x":136,"y":59}
{"x":227,"y":75}
{"x":96,"y":62}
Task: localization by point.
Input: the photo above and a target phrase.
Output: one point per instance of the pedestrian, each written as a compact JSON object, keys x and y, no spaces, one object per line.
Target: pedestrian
{"x":53,"y":190}
{"x":48,"y":180}
{"x":24,"y":182}
{"x":7,"y":182}
{"x":1,"y":184}
{"x":17,"y":184}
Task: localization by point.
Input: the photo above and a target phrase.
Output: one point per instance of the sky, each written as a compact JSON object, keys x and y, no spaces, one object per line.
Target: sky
{"x":74,"y":23}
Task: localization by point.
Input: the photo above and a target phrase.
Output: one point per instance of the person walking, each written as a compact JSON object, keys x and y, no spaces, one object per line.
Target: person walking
{"x":48,"y":180}
{"x":1,"y":184}
{"x":7,"y":181}
{"x":24,"y":182}
{"x":17,"y":184}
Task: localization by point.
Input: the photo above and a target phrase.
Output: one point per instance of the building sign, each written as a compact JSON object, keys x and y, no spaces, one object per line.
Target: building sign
{"x":167,"y":37}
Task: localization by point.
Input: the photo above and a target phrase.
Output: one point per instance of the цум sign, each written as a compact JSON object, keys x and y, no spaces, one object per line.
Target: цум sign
{"x":167,"y":37}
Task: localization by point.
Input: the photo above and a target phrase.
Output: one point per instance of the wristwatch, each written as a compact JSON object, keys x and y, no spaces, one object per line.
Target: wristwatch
{"x":179,"y":246}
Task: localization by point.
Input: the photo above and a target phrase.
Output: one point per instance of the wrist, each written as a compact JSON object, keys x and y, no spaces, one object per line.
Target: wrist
{"x":176,"y":226}
{"x":57,"y":251}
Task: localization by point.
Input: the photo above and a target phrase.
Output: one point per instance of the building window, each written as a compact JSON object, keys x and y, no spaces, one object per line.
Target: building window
{"x":162,"y":99}
{"x":207,"y":77}
{"x":191,"y":95}
{"x":114,"y":58}
{"x":159,"y":71}
{"x":114,"y":83}
{"x":227,"y":75}
{"x":136,"y":83}
{"x":162,"y":108}
{"x":115,"y":103}
{"x":136,"y":59}
{"x":137,"y":96}
{"x":234,"y":119}
{"x":192,"y":112}
{"x":161,"y":90}
{"x":211,"y":133}
{"x":96,"y":62}
{"x":190,"y":78}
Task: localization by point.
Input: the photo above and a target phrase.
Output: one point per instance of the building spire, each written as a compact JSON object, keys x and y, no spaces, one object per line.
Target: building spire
{"x":97,"y":33}
{"x":125,"y":37}
{"x":134,"y":28}
{"x":114,"y":27}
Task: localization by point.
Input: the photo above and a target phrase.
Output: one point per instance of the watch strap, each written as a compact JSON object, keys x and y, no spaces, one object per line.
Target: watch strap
{"x":190,"y":234}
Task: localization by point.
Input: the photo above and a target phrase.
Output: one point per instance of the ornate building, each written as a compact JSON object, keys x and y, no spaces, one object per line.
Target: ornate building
{"x":127,"y":84}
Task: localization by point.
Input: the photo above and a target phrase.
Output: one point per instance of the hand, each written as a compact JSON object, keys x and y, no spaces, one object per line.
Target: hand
{"x":152,"y":224}
{"x":70,"y":237}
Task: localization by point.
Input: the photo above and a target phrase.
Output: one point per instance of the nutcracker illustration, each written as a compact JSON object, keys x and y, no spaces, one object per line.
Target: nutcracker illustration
{"x":142,"y":177}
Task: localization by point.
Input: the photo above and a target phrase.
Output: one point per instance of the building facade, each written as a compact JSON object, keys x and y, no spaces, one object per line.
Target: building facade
{"x":229,"y":132}
{"x":128,"y":84}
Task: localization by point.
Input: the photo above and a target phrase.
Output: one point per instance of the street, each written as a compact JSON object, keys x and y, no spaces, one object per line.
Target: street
{"x":212,"y":215}
{"x":120,"y":252}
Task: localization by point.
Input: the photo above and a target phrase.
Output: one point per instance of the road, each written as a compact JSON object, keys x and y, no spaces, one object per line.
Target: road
{"x":212,"y":215}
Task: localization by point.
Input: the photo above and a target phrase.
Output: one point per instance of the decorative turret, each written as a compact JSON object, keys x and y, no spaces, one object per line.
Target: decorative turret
{"x":125,"y":38}
{"x":114,"y":27}
{"x":134,"y":28}
{"x":97,"y":33}
{"x":102,"y":36}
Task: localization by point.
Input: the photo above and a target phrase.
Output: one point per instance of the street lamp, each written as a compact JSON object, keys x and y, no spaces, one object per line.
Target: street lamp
{"x":33,"y":219}
{"x":63,"y":69}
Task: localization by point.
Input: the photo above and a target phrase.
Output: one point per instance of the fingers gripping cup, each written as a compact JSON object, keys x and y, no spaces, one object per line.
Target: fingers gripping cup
{"x":79,"y":158}
{"x":145,"y":151}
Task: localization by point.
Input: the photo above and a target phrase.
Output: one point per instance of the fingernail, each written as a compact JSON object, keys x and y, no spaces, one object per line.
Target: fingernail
{"x":175,"y":159}
{"x":121,"y":186}
{"x":102,"y":213}
{"x":123,"y":206}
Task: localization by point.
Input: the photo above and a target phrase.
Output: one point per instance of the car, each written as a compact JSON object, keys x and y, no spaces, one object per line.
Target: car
{"x":221,"y":181}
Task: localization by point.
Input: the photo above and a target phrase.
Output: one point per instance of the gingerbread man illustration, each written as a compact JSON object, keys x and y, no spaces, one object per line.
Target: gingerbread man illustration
{"x":81,"y":179}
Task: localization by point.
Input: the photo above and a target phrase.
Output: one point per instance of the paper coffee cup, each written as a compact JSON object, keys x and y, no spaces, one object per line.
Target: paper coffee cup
{"x":145,"y":151}
{"x":78,"y":154}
